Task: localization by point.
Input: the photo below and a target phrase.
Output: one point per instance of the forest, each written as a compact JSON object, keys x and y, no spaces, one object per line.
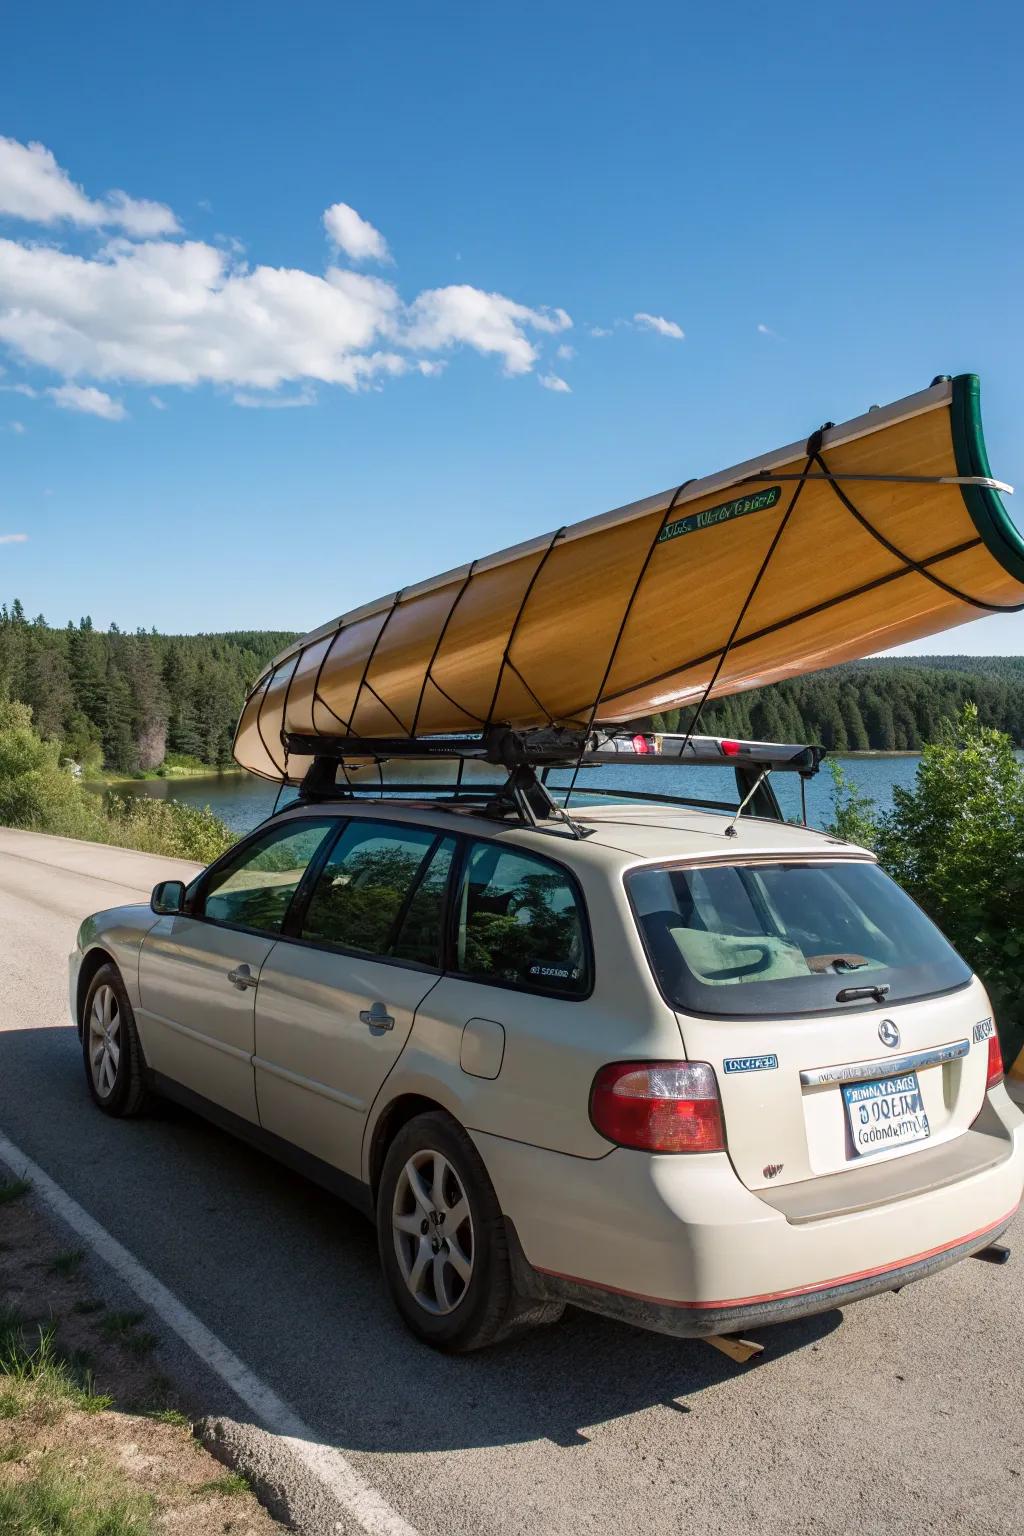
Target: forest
{"x":126,"y":702}
{"x":886,"y":704}
{"x":130,"y":702}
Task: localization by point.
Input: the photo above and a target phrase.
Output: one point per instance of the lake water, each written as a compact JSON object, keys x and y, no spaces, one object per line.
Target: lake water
{"x":243,"y":802}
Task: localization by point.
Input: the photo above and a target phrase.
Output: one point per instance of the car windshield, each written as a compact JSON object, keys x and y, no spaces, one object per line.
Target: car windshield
{"x":773,"y":939}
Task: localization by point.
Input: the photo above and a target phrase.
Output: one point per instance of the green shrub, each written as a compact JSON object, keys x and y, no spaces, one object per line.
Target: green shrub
{"x":38,"y":793}
{"x":166,"y":826}
{"x":955,"y":842}
{"x":854,"y":818}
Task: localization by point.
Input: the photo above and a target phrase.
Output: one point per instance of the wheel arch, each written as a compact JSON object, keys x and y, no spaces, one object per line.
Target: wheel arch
{"x":93,"y":961}
{"x":387,"y":1126}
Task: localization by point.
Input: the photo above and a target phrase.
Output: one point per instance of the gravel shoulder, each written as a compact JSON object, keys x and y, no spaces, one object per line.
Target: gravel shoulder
{"x":94,"y":1435}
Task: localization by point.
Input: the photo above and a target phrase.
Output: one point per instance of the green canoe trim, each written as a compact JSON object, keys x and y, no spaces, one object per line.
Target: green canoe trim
{"x":998,"y":530}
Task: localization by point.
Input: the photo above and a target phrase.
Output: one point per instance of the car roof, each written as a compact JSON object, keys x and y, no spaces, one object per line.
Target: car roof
{"x":619,"y":833}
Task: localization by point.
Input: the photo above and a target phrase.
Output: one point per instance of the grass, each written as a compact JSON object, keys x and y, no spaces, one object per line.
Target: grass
{"x":68,"y":1263}
{"x":170,"y":1416}
{"x":141,"y":1343}
{"x":116,"y":1324}
{"x":89,"y":1305}
{"x":58,"y":1496}
{"x":232,"y":1482}
{"x":39,"y":1382}
{"x":64,"y":1500}
{"x":12,"y":1189}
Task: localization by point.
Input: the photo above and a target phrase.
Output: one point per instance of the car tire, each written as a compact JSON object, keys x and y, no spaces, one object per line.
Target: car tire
{"x":450,"y":1278}
{"x":115,"y":1067}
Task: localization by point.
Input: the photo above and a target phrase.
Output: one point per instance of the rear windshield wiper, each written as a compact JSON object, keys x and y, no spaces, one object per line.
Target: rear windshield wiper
{"x":850,"y":994}
{"x":841,"y":962}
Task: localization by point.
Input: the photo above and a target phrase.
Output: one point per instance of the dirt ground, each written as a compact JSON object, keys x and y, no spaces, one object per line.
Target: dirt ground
{"x":56,"y":1431}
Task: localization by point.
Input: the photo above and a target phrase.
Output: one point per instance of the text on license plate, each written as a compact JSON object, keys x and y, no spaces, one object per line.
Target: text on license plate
{"x":888,"y":1112}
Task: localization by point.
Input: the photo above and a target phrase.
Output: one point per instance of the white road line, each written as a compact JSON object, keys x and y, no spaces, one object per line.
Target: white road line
{"x":363,"y":1503}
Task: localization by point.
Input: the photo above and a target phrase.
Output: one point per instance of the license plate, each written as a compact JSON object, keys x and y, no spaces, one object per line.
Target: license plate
{"x":888,"y":1112}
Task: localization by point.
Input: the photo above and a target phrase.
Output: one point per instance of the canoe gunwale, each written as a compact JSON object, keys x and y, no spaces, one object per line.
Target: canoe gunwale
{"x":935,"y":396}
{"x":998,"y":530}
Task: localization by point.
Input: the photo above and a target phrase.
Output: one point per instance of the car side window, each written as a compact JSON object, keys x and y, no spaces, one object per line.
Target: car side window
{"x":520,"y":922}
{"x":363,"y":887}
{"x":254,"y":888}
{"x":421,"y":935}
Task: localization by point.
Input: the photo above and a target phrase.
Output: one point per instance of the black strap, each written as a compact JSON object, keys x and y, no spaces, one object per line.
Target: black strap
{"x":369,"y":663}
{"x":813,"y":446}
{"x":259,"y":719}
{"x":621,"y":631}
{"x":427,"y":678}
{"x":541,"y":563}
{"x":908,"y":560}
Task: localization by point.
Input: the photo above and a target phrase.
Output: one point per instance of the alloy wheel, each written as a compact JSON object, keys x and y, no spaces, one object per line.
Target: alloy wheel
{"x":104,"y":1040}
{"x":433,"y":1232}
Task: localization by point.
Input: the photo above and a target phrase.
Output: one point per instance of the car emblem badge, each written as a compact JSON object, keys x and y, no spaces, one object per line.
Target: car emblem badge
{"x":888,"y":1033}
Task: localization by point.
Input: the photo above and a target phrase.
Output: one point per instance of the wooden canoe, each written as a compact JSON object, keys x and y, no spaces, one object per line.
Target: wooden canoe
{"x":895,"y":531}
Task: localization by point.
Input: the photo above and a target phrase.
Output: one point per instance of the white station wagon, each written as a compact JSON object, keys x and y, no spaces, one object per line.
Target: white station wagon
{"x":693,"y":1073}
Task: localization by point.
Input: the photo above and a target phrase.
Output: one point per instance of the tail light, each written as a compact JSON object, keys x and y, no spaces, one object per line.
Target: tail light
{"x":659,"y":1106}
{"x":995,"y":1062}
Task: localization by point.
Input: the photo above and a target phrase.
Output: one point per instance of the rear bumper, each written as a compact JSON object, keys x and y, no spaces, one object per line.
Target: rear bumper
{"x":679,"y":1245}
{"x":689,"y":1320}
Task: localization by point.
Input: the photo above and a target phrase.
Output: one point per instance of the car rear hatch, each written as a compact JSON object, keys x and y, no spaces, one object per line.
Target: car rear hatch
{"x":843,"y":1028}
{"x":787,"y":1116}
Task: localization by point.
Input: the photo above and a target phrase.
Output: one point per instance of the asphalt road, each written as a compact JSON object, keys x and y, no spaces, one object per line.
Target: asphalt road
{"x":902,"y":1414}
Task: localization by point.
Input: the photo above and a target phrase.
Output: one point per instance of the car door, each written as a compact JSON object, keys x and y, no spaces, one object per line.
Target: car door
{"x":198,"y":970}
{"x":338,"y":995}
{"x":512,"y":1019}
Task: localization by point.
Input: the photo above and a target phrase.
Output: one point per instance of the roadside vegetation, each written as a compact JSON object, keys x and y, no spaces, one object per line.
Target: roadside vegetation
{"x":92,"y":1440}
{"x":956,"y":843}
{"x":39,"y":793}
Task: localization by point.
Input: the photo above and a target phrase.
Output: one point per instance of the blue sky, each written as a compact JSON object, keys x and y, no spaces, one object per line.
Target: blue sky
{"x":825,"y":201}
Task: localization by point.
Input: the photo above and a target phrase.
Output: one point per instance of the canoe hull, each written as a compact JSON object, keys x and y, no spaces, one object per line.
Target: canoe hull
{"x":628,"y":614}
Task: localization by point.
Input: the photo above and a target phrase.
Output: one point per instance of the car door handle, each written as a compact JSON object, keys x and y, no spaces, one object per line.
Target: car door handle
{"x":377,"y":1016}
{"x":242,"y":977}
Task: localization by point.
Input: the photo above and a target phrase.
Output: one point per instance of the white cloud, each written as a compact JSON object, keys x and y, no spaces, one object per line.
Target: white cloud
{"x":355,"y":235}
{"x":89,"y":400}
{"x":598,"y":331}
{"x":274,"y":402}
{"x":13,"y":538}
{"x":157,"y":403}
{"x":164,"y":312}
{"x":565,"y":351}
{"x":442,"y":317}
{"x":660,"y":324}
{"x":552,"y":381}
{"x":766,"y":330}
{"x":19,"y":428}
{"x":34,"y":187}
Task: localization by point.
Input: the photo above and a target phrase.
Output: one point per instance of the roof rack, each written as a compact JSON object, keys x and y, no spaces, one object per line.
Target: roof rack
{"x":529,"y":757}
{"x":559,"y":748}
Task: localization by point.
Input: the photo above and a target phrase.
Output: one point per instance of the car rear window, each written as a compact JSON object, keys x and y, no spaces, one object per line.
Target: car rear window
{"x":786,"y":938}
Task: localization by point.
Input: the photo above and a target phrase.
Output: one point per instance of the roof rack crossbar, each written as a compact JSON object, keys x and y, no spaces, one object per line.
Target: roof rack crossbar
{"x":561,"y":748}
